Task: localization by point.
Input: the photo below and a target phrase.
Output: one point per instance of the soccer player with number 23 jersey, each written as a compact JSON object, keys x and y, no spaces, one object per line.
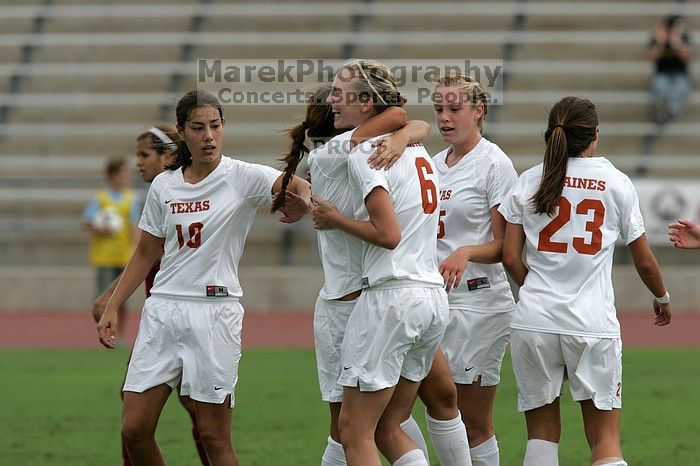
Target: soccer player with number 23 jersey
{"x":566,"y":214}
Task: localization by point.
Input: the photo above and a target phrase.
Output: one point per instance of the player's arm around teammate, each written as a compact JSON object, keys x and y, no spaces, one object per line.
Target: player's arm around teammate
{"x":566,"y":215}
{"x":341,"y":253}
{"x":318,"y":126}
{"x":395,"y":326}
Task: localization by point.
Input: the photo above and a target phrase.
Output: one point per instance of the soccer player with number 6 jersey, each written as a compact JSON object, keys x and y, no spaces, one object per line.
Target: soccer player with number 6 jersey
{"x":399,"y":319}
{"x":341,"y":253}
{"x":566,"y":214}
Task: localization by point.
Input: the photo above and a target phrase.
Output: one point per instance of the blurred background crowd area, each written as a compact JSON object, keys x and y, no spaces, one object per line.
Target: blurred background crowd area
{"x":80,"y":79}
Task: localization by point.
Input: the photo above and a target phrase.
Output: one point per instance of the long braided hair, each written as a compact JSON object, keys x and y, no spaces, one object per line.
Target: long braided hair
{"x":318,"y":126}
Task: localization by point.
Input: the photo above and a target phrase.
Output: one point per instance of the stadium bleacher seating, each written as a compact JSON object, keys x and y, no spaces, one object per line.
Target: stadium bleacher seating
{"x":80,"y":78}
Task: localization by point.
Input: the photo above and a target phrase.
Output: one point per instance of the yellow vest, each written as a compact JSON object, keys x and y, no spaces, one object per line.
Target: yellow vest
{"x":113,"y":250}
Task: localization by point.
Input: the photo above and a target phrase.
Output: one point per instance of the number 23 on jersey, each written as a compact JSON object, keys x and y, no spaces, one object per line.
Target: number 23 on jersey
{"x":584,"y":207}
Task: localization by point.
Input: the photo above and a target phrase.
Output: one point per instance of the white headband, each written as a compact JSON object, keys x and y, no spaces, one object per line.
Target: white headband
{"x":167,"y":142}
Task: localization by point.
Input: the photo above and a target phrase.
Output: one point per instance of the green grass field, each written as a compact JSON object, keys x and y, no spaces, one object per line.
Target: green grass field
{"x":61,"y":407}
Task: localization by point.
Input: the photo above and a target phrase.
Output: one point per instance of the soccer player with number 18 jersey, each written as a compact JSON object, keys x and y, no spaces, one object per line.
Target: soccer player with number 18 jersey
{"x":197,"y":215}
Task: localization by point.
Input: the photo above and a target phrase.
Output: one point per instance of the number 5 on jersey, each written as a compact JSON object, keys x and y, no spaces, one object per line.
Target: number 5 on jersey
{"x":441,"y":224}
{"x":195,"y":235}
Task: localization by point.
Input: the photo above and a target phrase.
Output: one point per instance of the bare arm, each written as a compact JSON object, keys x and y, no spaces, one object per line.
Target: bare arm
{"x":513,"y":244}
{"x":296,"y":200}
{"x":646,"y":265}
{"x":297,"y":195}
{"x":650,"y":273}
{"x":387,"y":121}
{"x":454,"y":265}
{"x":382,"y":229}
{"x":148,"y":250}
{"x":675,"y":40}
{"x":684,"y":52}
{"x":390,"y":148}
{"x":99,"y":304}
{"x":660,"y":39}
{"x":300,"y":187}
{"x":135,"y":232}
{"x":490,"y":253}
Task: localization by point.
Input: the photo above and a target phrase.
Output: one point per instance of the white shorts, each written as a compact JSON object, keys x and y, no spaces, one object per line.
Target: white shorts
{"x":394,"y":330}
{"x":474,"y":345}
{"x":330,"y":319}
{"x":543,"y":361}
{"x":195,"y":343}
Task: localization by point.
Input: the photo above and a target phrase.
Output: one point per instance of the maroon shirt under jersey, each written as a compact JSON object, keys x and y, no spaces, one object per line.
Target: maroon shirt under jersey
{"x":150,"y":277}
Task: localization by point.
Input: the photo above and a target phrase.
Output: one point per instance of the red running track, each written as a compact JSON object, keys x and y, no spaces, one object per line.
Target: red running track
{"x":286,"y":330}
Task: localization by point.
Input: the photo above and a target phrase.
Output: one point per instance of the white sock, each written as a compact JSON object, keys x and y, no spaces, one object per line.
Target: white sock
{"x":334,"y":454}
{"x":410,"y":427}
{"x":486,"y":454}
{"x":449,"y":440}
{"x":613,"y":461}
{"x":541,"y":453}
{"x":412,"y":458}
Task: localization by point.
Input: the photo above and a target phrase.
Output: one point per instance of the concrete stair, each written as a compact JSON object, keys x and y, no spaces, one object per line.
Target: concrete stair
{"x":84,"y":101}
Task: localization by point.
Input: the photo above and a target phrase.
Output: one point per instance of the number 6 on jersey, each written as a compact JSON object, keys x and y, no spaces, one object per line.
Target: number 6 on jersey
{"x":428,"y":190}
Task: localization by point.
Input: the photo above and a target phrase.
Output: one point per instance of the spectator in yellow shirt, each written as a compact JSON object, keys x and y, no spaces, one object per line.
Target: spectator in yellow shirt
{"x":111,"y":218}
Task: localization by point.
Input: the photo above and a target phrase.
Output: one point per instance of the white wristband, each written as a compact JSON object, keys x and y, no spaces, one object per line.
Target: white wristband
{"x":665,"y":299}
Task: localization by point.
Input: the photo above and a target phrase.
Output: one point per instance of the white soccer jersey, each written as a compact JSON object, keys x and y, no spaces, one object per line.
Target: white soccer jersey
{"x":468,"y":192}
{"x":568,"y":288}
{"x":412,"y":184}
{"x":341,"y":253}
{"x":205,"y":226}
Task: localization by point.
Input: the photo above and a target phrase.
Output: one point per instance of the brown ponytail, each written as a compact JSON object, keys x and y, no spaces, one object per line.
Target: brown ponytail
{"x":318,"y":126}
{"x":570,"y":130}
